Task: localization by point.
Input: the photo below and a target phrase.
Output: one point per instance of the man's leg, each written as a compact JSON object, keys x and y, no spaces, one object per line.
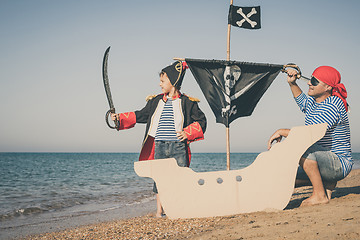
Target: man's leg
{"x":329,"y":188}
{"x":312,"y":170}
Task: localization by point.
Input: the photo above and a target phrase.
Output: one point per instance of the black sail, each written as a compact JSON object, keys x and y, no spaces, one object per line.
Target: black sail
{"x":232,"y":88}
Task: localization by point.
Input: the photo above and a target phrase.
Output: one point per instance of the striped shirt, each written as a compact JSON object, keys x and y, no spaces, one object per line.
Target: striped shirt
{"x":337,"y":137}
{"x":166,"y":128}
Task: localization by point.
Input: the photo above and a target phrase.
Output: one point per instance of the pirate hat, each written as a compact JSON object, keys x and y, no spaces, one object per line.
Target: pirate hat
{"x":175,"y":73}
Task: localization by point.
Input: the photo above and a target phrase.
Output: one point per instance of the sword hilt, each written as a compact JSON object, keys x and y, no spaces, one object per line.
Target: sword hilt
{"x":294,"y":66}
{"x":116,"y":122}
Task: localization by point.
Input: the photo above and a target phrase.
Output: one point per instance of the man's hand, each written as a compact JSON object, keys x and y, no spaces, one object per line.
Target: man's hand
{"x":291,"y":76}
{"x":277,"y":136}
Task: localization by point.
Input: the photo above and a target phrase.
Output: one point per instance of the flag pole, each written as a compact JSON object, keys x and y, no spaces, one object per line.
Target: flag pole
{"x":228,"y":126}
{"x":228,"y":38}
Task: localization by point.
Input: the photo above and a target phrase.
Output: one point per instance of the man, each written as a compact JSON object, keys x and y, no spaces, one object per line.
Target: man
{"x":328,"y":160}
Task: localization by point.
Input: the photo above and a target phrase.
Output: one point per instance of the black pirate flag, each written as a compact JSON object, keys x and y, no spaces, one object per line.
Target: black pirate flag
{"x":244,"y":17}
{"x":232,"y":88}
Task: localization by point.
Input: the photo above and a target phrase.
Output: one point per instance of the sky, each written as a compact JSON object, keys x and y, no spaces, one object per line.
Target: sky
{"x":52,"y":97}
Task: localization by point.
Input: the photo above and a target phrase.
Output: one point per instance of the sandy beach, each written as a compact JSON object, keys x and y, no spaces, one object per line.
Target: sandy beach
{"x":339,"y":219}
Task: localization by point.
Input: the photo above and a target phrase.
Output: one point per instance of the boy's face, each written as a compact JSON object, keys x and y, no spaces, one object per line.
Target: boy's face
{"x":165,"y":84}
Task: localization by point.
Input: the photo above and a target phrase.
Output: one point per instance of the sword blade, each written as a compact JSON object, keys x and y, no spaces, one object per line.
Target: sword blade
{"x":106,"y":80}
{"x":108,"y":92}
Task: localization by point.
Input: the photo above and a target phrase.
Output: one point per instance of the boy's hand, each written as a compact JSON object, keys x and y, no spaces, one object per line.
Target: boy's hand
{"x":181,"y":135}
{"x":114,"y":116}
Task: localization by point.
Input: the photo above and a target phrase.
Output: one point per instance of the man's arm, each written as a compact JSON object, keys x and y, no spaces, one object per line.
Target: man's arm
{"x":295,"y":89}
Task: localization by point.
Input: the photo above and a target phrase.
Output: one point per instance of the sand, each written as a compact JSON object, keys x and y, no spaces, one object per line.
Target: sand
{"x":339,"y":219}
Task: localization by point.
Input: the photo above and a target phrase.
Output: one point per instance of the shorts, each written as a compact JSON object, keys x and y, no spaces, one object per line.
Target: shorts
{"x":171,"y":149}
{"x":328,"y":162}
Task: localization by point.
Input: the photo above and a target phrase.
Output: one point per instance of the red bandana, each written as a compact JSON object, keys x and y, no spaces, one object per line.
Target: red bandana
{"x":332,"y":77}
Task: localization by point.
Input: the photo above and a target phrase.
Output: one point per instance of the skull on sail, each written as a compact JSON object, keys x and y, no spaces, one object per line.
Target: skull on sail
{"x":231,"y":75}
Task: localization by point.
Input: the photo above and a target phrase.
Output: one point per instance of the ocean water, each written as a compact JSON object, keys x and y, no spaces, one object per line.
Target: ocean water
{"x":42,"y":192}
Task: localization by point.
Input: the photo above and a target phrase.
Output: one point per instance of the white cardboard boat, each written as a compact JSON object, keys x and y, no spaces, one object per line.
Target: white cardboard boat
{"x":266,"y":185}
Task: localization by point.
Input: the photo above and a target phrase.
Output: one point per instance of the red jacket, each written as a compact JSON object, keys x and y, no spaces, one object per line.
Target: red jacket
{"x":194,"y":122}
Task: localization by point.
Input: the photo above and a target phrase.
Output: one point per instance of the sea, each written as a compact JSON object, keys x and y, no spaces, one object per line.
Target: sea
{"x":45,"y":192}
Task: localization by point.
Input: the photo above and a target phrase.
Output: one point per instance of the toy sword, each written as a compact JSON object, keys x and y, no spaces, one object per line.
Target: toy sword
{"x":108,"y":93}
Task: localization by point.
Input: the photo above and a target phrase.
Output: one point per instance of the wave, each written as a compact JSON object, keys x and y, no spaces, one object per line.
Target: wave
{"x":21,"y":212}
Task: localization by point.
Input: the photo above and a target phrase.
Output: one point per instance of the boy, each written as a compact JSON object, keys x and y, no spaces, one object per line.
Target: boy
{"x":173,"y":120}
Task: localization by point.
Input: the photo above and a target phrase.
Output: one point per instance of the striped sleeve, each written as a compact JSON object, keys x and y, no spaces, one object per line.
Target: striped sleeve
{"x":301,"y":101}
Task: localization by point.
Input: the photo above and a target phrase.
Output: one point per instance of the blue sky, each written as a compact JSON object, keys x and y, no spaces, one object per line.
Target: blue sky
{"x":52,"y":96}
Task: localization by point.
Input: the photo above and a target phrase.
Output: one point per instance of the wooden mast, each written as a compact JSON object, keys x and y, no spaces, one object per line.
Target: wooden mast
{"x":228,"y":127}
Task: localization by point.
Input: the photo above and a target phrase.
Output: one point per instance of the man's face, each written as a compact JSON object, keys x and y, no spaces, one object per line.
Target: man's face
{"x":165,"y":84}
{"x":318,"y":88}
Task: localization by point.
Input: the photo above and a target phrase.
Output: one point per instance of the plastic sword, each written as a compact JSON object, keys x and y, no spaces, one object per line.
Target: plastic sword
{"x":108,"y":92}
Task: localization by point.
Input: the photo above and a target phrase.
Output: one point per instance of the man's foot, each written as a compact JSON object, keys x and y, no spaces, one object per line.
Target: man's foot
{"x":329,"y":187}
{"x":328,"y":193}
{"x":313,"y":200}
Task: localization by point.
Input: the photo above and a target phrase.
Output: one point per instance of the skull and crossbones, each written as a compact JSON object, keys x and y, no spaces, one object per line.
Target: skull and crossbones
{"x":246,"y":17}
{"x":231,"y":75}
